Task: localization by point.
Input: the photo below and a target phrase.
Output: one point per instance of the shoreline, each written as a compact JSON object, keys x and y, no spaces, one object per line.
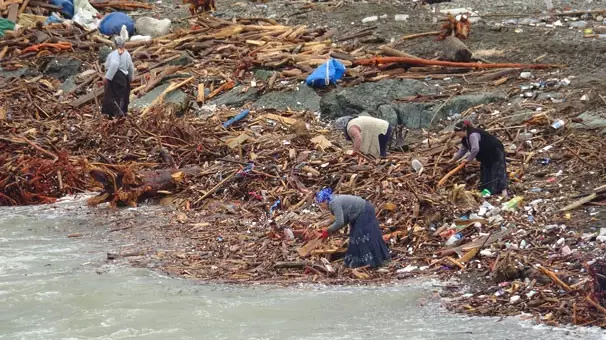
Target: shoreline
{"x":219,"y":182}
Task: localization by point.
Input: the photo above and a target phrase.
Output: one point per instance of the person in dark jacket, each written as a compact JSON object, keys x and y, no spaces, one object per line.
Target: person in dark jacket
{"x":489,"y":151}
{"x":120,"y":73}
{"x":366,"y":245}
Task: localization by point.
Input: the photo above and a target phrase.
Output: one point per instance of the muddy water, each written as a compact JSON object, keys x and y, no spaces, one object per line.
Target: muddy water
{"x":54,"y":287}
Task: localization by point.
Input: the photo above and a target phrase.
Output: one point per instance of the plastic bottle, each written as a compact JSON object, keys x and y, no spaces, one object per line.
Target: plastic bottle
{"x":454,"y":239}
{"x":558,"y":124}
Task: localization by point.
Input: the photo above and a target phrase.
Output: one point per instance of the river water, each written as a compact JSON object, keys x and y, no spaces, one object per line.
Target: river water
{"x":55,"y":287}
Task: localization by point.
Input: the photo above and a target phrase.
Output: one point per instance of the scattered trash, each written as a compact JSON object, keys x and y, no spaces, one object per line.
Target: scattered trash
{"x":236,"y":118}
{"x":558,"y":124}
{"x":526,"y":75}
{"x":402,"y":17}
{"x":370,"y":19}
{"x":417,"y":166}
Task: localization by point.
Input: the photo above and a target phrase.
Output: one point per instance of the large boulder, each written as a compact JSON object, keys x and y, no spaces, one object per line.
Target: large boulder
{"x":369,"y":97}
{"x":104,"y":51}
{"x":303,"y":98}
{"x":238,"y":96}
{"x":62,"y":68}
{"x":592,"y":120}
{"x":176,"y":97}
{"x":380,"y":99}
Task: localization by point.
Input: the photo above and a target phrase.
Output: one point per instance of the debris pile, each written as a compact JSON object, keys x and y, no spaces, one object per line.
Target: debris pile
{"x":242,"y":181}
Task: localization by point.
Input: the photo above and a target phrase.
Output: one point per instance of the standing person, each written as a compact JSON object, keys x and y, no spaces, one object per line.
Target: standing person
{"x":487,"y":149}
{"x":370,"y":135}
{"x":366,"y":245}
{"x":120,"y":73}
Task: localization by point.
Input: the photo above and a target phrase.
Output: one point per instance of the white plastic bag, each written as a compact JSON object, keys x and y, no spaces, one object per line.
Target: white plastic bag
{"x":124,"y":33}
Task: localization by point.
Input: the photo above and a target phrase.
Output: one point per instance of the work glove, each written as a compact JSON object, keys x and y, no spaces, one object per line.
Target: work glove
{"x":324,"y":234}
{"x":105,"y":81}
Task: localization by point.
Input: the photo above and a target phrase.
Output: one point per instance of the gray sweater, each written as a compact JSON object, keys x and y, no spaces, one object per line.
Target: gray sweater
{"x":346,"y":209}
{"x":119,"y":62}
{"x":474,"y":142}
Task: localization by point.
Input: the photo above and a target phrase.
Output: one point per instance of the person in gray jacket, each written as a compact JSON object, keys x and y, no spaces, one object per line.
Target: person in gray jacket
{"x":366,"y":245}
{"x":120,"y":72}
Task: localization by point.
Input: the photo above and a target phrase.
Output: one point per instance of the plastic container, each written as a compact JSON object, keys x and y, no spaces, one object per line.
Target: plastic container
{"x":417,"y":166}
{"x":558,"y":124}
{"x":454,"y":239}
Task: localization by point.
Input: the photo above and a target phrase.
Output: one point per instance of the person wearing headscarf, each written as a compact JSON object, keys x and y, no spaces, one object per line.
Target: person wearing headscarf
{"x":369,"y":135}
{"x":366,"y":245}
{"x":489,"y":151}
{"x":120,"y":72}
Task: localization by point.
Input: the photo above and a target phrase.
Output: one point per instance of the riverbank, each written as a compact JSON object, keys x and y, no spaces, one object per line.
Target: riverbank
{"x":55,"y":287}
{"x":241,"y":194}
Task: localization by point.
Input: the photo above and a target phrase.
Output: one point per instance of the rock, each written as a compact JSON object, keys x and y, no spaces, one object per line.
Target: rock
{"x":550,"y":95}
{"x":183,"y":60}
{"x":302,"y":98}
{"x":462,"y":103}
{"x":416,"y":115}
{"x":152,"y":27}
{"x":104,"y":51}
{"x":177,"y":97}
{"x":387,"y":113}
{"x":68,"y":85}
{"x":379,"y":100}
{"x":520,"y":117}
{"x":369,"y":97}
{"x":263,"y":74}
{"x":592,"y":120}
{"x":62,"y":68}
{"x":237,"y":96}
{"x":18,"y":73}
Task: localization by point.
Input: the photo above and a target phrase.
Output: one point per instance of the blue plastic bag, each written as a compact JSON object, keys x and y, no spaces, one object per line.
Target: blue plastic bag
{"x":112,"y":23}
{"x":326,"y":74}
{"x":67,"y":7}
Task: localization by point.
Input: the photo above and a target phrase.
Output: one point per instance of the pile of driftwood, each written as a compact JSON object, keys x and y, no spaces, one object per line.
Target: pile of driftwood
{"x":244,"y":191}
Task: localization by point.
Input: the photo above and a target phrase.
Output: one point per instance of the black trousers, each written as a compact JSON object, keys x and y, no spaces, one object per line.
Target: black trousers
{"x":493,"y":175}
{"x":384,"y":141}
{"x":116,"y":96}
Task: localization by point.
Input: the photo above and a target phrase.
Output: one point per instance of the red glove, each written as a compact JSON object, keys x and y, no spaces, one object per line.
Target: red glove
{"x":105,"y":81}
{"x":324,"y":234}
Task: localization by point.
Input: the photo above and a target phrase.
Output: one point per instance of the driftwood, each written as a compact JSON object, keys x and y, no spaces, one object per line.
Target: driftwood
{"x":450,"y":173}
{"x":426,"y":62}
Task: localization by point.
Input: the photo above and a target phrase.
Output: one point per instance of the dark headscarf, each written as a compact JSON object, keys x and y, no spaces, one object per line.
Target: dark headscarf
{"x":463,"y":125}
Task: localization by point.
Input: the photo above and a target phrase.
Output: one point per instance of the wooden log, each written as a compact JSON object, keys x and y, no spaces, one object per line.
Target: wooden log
{"x":427,"y":62}
{"x":394,"y":53}
{"x":298,"y":264}
{"x":160,"y":98}
{"x":13,"y":11}
{"x":453,"y":49}
{"x":124,"y":5}
{"x":450,"y":173}
{"x":579,"y":202}
{"x":420,"y":35}
{"x":306,"y":250}
{"x":93,"y":95}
